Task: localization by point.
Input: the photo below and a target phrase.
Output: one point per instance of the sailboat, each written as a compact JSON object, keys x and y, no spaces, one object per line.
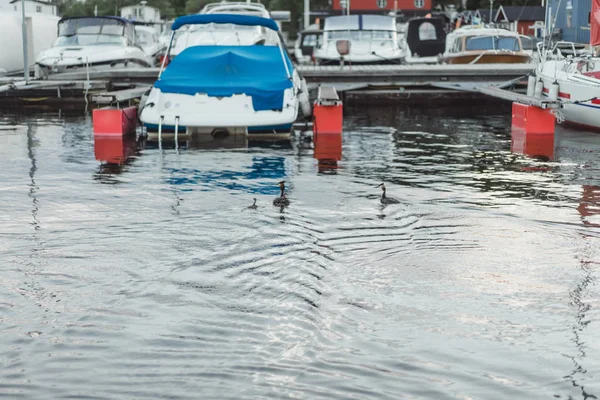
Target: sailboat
{"x":574,"y":79}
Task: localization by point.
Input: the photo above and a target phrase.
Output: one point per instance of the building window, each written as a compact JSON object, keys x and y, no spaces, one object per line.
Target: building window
{"x":15,"y":8}
{"x":38,"y":9}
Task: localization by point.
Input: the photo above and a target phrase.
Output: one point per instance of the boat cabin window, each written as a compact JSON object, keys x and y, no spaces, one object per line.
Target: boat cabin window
{"x":427,"y":31}
{"x":492,"y":43}
{"x":310,"y":40}
{"x":144,"y":38}
{"x":359,"y":35}
{"x":93,"y":31}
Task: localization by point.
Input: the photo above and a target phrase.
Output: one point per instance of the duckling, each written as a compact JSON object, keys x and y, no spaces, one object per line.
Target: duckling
{"x":385,"y":199}
{"x":253,"y":206}
{"x":281,"y":201}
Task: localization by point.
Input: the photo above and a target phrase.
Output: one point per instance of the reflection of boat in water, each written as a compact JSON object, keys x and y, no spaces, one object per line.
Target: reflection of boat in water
{"x":248,"y":177}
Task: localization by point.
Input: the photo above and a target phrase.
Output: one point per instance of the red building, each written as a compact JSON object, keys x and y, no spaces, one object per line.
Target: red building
{"x":382,"y":6}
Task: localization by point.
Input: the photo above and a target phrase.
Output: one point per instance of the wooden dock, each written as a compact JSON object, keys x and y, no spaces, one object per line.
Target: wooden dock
{"x":124,"y":85}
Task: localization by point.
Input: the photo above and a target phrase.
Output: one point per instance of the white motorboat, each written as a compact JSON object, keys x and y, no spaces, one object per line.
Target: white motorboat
{"x":147,"y":39}
{"x":425,"y":41}
{"x":365,"y":39}
{"x":574,"y":79}
{"x":227,"y":34}
{"x":305,"y":44}
{"x":475,"y":44}
{"x":94,"y":43}
{"x":235,"y":89}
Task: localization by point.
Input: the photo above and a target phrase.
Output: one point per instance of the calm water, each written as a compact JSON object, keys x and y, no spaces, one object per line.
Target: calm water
{"x":153,"y":279}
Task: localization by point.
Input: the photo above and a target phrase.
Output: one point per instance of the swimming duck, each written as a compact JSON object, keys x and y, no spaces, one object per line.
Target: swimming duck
{"x":281,"y":201}
{"x":385,"y":199}
{"x":253,"y":206}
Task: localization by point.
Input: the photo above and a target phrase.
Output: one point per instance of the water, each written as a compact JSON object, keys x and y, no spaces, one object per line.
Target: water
{"x":153,"y":279}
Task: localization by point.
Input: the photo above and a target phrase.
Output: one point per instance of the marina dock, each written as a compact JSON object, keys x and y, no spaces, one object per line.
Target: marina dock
{"x":125,"y":85}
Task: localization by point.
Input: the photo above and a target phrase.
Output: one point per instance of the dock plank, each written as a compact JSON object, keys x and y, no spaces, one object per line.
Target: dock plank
{"x":519,"y":98}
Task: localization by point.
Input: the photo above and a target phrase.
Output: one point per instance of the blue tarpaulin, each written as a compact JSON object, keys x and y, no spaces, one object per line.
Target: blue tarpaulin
{"x":257,"y":71}
{"x":238,"y":19}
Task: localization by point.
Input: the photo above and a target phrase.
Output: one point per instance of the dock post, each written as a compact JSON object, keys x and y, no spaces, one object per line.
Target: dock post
{"x":176,"y":132}
{"x":160,"y":122}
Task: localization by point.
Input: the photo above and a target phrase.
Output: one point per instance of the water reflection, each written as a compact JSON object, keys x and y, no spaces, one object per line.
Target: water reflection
{"x":244,"y":177}
{"x":328,"y":151}
{"x":115,"y":154}
{"x":536,"y":146}
{"x":33,"y":187}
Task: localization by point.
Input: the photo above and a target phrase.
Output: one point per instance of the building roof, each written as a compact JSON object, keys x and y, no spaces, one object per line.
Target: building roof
{"x":520,"y":13}
{"x":48,"y":3}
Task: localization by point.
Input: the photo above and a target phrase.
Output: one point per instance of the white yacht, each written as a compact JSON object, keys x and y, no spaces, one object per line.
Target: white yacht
{"x":575,"y":81}
{"x":227,"y":34}
{"x":226,"y":89}
{"x":367,"y":39}
{"x":94,"y":43}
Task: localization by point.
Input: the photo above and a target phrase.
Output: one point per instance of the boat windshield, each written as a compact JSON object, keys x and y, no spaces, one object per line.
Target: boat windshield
{"x":223,"y":27}
{"x":492,"y":43}
{"x":359,"y":35}
{"x":91,"y":31}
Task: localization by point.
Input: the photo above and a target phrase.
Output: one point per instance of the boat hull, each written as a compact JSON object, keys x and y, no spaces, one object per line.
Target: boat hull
{"x":477,"y":58}
{"x":579,"y":93}
{"x":203,"y":113}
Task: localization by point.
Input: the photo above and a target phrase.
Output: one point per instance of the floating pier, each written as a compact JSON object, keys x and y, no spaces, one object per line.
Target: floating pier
{"x":374,"y":81}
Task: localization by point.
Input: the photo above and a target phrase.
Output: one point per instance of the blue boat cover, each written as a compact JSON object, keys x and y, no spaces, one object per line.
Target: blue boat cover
{"x":257,"y":71}
{"x":238,"y":19}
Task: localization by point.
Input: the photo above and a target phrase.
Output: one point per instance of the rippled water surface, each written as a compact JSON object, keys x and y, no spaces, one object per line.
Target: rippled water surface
{"x":154,"y":280}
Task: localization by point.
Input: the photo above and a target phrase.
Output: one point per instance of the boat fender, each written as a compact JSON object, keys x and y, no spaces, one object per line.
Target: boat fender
{"x":531,"y":85}
{"x":304,"y":100}
{"x":539,"y":88}
{"x":553,"y":92}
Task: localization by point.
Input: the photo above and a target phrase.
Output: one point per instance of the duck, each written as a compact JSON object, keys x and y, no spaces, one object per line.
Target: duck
{"x":281,"y":201}
{"x":384,"y":198}
{"x":253,"y":206}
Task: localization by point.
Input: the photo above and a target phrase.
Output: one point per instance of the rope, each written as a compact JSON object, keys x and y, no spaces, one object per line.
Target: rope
{"x":560,"y":118}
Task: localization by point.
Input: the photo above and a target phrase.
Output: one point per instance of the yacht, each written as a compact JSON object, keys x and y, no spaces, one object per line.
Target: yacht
{"x":227,"y":34}
{"x":362,"y":39}
{"x":94,"y":43}
{"x":484,"y":45}
{"x":573,"y":80}
{"x":226,"y":89}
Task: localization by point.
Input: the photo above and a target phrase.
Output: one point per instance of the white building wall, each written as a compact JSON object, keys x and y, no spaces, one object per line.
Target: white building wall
{"x":32,"y":7}
{"x":141,"y":13}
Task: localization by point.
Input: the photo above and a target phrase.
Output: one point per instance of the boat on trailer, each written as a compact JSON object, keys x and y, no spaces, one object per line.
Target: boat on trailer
{"x":222,"y":90}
